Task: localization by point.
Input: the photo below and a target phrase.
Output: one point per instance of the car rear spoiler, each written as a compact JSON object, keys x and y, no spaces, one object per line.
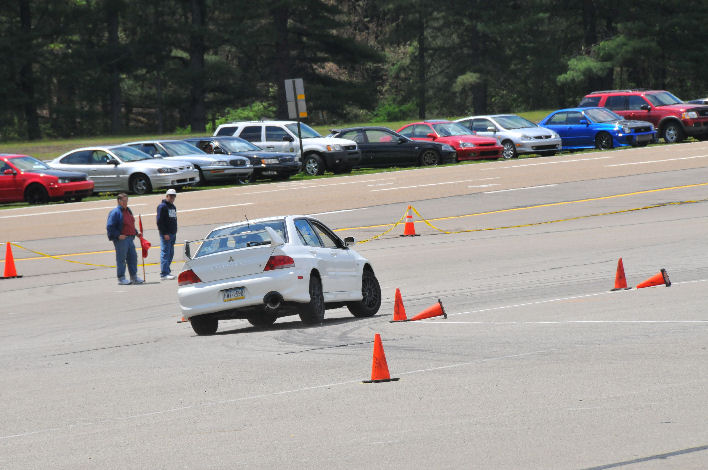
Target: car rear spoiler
{"x":274,"y":239}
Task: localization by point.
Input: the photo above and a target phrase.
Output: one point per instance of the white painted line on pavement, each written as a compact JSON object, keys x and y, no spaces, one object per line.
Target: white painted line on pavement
{"x":520,"y":189}
{"x":65,"y":211}
{"x":658,"y":161}
{"x":434,"y":184}
{"x":554,"y":162}
{"x":343,"y":210}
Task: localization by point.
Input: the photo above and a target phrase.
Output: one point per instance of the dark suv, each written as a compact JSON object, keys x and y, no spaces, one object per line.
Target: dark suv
{"x":674,"y":119}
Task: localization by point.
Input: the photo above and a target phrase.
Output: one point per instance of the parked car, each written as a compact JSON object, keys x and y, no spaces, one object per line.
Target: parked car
{"x":319,"y":154}
{"x":582,"y":128}
{"x":467,"y":145}
{"x":212,"y":168}
{"x":516,"y":134}
{"x":268,"y":268}
{"x":673,"y":118}
{"x":123,"y":168}
{"x":269,"y":165}
{"x":698,"y":101}
{"x":380,"y":146}
{"x":24,"y":178}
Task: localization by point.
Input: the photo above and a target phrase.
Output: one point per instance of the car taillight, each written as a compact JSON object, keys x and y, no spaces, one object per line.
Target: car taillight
{"x":279,"y":262}
{"x":187,"y":277}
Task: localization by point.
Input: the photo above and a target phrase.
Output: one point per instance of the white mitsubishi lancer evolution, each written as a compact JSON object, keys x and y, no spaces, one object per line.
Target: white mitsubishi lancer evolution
{"x":268,"y":268}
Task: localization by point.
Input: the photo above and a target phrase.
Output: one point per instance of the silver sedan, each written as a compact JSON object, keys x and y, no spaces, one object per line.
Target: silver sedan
{"x":212,"y":168}
{"x":516,"y":134}
{"x":123,"y":168}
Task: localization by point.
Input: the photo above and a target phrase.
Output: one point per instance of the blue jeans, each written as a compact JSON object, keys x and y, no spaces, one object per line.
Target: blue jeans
{"x":167,"y":252}
{"x":125,"y":253}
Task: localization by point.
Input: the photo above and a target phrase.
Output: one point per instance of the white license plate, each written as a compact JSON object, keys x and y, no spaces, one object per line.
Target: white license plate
{"x":644,"y":138}
{"x":270,"y":172}
{"x":235,"y":293}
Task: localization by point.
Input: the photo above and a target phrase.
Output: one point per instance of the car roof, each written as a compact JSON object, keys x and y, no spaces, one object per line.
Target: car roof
{"x":269,"y":121}
{"x":14,"y":155}
{"x":262,"y":219}
{"x":362,"y":128}
{"x":629,"y":90}
{"x":151,"y":141}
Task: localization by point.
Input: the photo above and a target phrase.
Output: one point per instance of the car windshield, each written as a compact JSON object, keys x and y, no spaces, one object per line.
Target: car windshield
{"x":602,"y":115}
{"x":662,"y":99}
{"x":514,"y":122}
{"x":29,"y":164}
{"x":446,"y":129}
{"x":129,"y":154}
{"x":240,"y":236}
{"x":175,"y":149}
{"x":306,"y":131}
{"x":238,"y":145}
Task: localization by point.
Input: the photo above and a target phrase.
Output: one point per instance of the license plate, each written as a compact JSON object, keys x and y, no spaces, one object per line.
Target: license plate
{"x":235,"y":293}
{"x":644,"y":138}
{"x":270,"y":172}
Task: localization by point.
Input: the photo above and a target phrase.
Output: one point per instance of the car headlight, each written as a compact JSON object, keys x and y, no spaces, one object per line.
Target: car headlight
{"x":166,"y":170}
{"x":527,"y":137}
{"x":465,"y":145}
{"x":221,"y":163}
{"x":448,"y":148}
{"x":63,"y":180}
{"x":266,"y":161}
{"x":689,"y":115}
{"x":626,"y":130}
{"x":333,"y":148}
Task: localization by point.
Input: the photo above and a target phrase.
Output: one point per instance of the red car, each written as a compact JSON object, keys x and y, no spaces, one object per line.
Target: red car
{"x":24,"y":178}
{"x":467,"y":145}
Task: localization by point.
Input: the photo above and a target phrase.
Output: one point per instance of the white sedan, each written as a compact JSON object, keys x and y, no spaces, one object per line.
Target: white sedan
{"x":268,"y":268}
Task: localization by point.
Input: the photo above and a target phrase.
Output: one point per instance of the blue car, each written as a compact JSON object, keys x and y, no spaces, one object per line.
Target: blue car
{"x":586,"y":128}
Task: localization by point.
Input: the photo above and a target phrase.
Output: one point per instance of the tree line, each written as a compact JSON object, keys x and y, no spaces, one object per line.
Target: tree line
{"x":95,"y":67}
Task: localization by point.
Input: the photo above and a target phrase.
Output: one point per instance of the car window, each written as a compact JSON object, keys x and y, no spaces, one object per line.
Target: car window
{"x":4,"y":166}
{"x":251,"y":133}
{"x":150,"y":149}
{"x":407,"y":131}
{"x":328,"y":239}
{"x":306,"y":233}
{"x":589,"y":101}
{"x":29,"y":164}
{"x":226,"y":130}
{"x":380,"y":136}
{"x":558,"y":118}
{"x":180,"y":148}
{"x":274,"y":134}
{"x":448,"y":129}
{"x":422,"y":130}
{"x":356,"y":136}
{"x":467,"y":123}
{"x":480,"y":125}
{"x":99,"y":157}
{"x":514,"y":122}
{"x":82,"y":157}
{"x":618,"y":103}
{"x":305,"y":131}
{"x":573,"y":117}
{"x":240,"y":236}
{"x":636,"y":102}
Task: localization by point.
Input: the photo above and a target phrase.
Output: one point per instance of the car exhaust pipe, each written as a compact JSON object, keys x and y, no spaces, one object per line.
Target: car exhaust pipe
{"x":272,"y":300}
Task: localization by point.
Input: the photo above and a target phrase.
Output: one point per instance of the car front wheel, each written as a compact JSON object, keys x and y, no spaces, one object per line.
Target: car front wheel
{"x":140,"y":184}
{"x":509,"y":149}
{"x":673,"y":133}
{"x":36,"y":194}
{"x":204,"y":325}
{"x":371,"y":296}
{"x":313,"y":165}
{"x":429,"y":158}
{"x":603,"y":141}
{"x":313,"y":312}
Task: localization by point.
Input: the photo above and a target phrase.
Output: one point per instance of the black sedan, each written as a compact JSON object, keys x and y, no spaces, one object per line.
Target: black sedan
{"x":266,"y":165}
{"x":380,"y":146}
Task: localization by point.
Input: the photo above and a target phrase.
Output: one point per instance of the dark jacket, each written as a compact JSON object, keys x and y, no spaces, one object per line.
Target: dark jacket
{"x":166,"y":218}
{"x":114,"y":225}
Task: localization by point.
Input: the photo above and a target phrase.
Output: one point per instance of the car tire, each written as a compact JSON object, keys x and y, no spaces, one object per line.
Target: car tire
{"x":429,"y":157}
{"x":313,"y":165}
{"x":204,"y":325}
{"x":371,"y":292}
{"x":202,"y":180}
{"x":140,"y":184}
{"x":262,"y":319}
{"x":36,"y":194}
{"x":313,"y":312}
{"x":673,"y":133}
{"x":603,"y":141}
{"x":509,"y":151}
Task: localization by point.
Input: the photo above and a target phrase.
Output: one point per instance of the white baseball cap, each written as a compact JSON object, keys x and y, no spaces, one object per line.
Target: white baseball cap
{"x":171,"y":191}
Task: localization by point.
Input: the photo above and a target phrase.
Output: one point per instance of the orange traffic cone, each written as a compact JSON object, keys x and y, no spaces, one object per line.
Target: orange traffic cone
{"x":620,"y":280}
{"x":399,"y":311}
{"x":10,"y":271}
{"x":432,"y":311}
{"x":409,"y":228}
{"x":657,"y":279}
{"x":379,"y":368}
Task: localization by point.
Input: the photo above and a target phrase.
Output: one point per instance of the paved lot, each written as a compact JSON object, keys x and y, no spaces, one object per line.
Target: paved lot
{"x":538,"y":364}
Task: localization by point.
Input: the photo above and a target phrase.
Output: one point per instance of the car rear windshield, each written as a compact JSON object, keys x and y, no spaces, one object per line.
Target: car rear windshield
{"x":240,"y":236}
{"x":514,"y":122}
{"x":662,"y":98}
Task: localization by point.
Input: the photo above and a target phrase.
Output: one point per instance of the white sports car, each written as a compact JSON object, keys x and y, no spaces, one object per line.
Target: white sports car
{"x":268,"y":268}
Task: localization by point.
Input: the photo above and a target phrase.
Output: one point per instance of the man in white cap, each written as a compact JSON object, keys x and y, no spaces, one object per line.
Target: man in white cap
{"x":167,"y":226}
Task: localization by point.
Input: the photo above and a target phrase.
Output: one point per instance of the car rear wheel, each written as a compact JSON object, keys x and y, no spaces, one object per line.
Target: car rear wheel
{"x":673,"y":133}
{"x":262,"y":318}
{"x":603,"y":141}
{"x":36,"y":194}
{"x":371,"y":296}
{"x":429,"y":158}
{"x":140,"y":184}
{"x":313,"y":165}
{"x":313,"y":312}
{"x":204,"y":325}
{"x":509,"y":150}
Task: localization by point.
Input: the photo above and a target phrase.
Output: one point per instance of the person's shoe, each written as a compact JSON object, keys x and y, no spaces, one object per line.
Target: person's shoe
{"x":167,"y":277}
{"x":124,"y":282}
{"x":137,"y":280}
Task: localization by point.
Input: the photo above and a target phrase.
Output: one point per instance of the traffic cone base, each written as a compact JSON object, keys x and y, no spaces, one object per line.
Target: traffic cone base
{"x":379,"y":368}
{"x":10,"y":271}
{"x":399,"y":311}
{"x":409,"y":228}
{"x":430,"y":312}
{"x":620,"y":280}
{"x":660,"y":278}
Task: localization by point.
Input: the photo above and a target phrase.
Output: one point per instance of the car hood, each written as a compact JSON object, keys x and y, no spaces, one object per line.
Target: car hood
{"x":159,"y":163}
{"x":628,"y":122}
{"x":685,"y":107}
{"x":262,"y":154}
{"x":73,"y":175}
{"x":530,"y":131}
{"x":474,"y":139}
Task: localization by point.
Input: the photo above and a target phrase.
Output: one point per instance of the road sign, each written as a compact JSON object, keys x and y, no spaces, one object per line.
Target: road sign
{"x":295,"y":96}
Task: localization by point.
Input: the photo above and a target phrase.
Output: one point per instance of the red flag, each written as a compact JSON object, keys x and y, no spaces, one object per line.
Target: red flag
{"x":143,"y":243}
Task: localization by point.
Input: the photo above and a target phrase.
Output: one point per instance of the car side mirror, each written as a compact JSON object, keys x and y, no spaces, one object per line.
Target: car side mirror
{"x":584,"y":121}
{"x":112,"y":161}
{"x":431,"y":136}
{"x":349,"y":241}
{"x":288,"y":138}
{"x":187,"y":250}
{"x":491,"y":129}
{"x":219,"y":150}
{"x":645,"y":107}
{"x":402,"y":140}
{"x":8,"y":172}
